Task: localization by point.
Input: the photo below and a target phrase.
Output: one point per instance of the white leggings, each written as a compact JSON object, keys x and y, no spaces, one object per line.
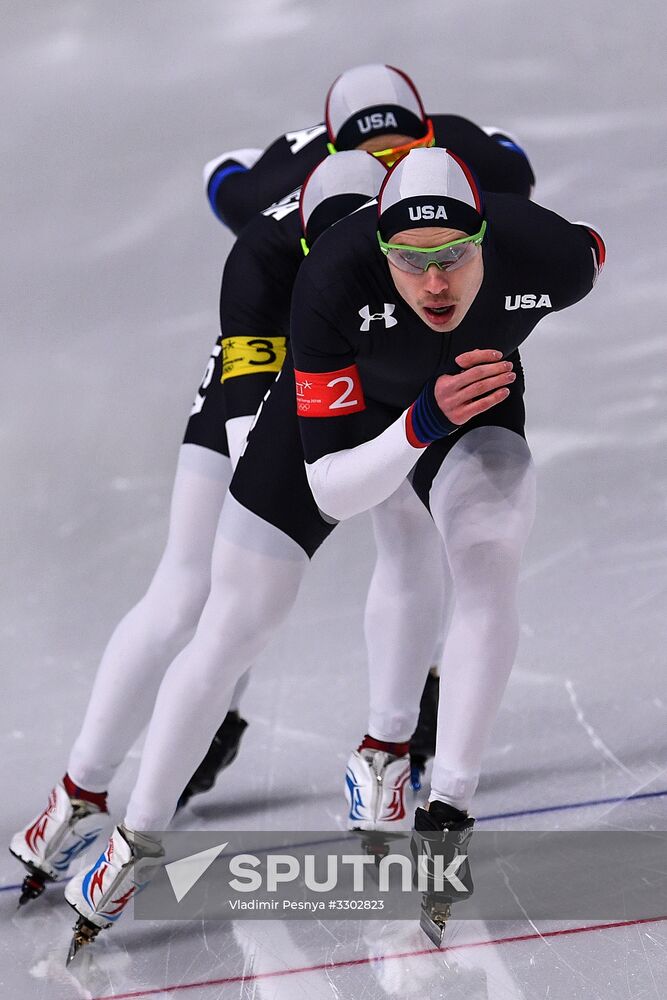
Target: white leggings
{"x":158,"y":627}
{"x":482,"y":502}
{"x":402,"y":616}
{"x":255,"y":576}
{"x":404,"y":620}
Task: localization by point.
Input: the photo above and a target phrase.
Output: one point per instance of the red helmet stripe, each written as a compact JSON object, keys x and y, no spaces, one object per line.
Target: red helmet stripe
{"x":602,"y":251}
{"x":470,"y":178}
{"x":326,"y":108}
{"x":411,"y":86}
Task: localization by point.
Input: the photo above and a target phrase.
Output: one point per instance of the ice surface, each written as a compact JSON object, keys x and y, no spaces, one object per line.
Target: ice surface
{"x":108,"y":303}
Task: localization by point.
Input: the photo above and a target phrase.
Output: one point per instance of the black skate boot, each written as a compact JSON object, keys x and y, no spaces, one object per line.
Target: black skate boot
{"x":440,"y":851}
{"x":422,"y":744}
{"x":221,"y":753}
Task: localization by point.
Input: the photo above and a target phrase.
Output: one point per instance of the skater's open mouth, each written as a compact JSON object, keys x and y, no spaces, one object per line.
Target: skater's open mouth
{"x":439,"y":314}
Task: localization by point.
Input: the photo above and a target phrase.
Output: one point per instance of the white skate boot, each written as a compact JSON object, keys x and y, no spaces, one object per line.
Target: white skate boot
{"x":53,"y":839}
{"x":375,"y":783}
{"x":101,"y":893}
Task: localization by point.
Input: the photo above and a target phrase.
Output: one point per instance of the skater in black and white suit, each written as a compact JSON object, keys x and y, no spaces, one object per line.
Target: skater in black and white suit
{"x":407,"y":311}
{"x":401,"y":375}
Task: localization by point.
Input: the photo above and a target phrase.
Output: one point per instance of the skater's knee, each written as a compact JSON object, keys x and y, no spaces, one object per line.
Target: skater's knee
{"x":178,"y":597}
{"x":484,"y":561}
{"x":486,"y":483}
{"x":486,"y":514}
{"x":407,"y":545}
{"x":217,"y":663}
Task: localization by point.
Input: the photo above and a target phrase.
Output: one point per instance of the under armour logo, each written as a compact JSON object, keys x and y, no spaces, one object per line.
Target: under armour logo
{"x":387,"y":316}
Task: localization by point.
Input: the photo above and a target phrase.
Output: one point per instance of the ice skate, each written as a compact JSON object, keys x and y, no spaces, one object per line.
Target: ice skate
{"x":221,"y":753}
{"x":375,"y":784}
{"x":100,"y":894}
{"x":422,"y":743}
{"x":439,"y":845}
{"x":53,"y":839}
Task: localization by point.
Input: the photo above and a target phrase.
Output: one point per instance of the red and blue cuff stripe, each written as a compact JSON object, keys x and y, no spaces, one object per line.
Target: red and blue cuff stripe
{"x":425,"y":422}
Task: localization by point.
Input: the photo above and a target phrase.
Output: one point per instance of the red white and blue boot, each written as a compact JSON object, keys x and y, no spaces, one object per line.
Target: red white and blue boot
{"x":376,"y":779}
{"x":63,"y":831}
{"x":101,"y":894}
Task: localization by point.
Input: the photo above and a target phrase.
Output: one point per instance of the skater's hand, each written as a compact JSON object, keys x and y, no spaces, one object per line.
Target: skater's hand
{"x":485,"y":375}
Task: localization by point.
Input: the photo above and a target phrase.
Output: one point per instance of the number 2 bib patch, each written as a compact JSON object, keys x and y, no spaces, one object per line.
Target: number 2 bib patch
{"x":329,"y":394}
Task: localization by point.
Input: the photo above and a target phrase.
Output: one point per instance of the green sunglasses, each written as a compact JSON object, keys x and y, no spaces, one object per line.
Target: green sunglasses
{"x":447,"y":257}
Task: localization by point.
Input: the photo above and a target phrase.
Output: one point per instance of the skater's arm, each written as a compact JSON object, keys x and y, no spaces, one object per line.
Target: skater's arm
{"x":346,"y":481}
{"x":350,"y":480}
{"x":515,"y":165}
{"x":254,"y":314}
{"x":239,"y":186}
{"x":229,"y":186}
{"x":499,"y":161}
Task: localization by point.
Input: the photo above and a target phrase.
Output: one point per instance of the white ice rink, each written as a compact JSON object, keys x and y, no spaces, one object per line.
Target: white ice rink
{"x":108,"y":306}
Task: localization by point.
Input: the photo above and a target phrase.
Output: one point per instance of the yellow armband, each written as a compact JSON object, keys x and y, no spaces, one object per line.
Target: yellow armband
{"x":245,"y":355}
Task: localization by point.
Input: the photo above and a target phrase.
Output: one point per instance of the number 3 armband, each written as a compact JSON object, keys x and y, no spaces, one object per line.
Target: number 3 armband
{"x":248,"y":355}
{"x":329,"y":394}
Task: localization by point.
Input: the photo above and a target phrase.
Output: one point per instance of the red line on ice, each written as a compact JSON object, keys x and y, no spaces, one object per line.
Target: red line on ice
{"x":349,"y":963}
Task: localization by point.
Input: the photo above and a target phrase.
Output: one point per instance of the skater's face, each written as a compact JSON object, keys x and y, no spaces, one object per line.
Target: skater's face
{"x":441,"y":298}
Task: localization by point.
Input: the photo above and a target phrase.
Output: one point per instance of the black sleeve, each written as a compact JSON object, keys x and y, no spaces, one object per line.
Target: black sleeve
{"x":542,"y":253}
{"x":334,"y":411}
{"x":536,"y":263}
{"x":500,"y":164}
{"x":318,"y":343}
{"x":239,"y":195}
{"x":254,"y":315}
{"x":571,"y":261}
{"x":515,"y":165}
